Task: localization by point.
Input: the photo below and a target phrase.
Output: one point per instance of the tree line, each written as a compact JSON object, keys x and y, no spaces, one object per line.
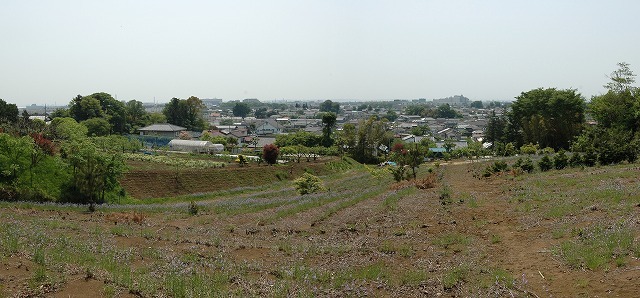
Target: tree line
{"x":549,"y":117}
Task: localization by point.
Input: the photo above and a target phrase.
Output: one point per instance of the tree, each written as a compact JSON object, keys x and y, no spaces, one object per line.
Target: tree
{"x":420,"y":130}
{"x":216,"y":140}
{"x":616,"y":137}
{"x":8,"y":112}
{"x":446,"y":111}
{"x":363,"y":141}
{"x":67,"y":129}
{"x":172,"y":111}
{"x":415,"y":157}
{"x":548,"y":117}
{"x":329,"y":122}
{"x":330,"y":106}
{"x":97,"y":127}
{"x":621,"y":79}
{"x":476,"y":104}
{"x":100,"y":105}
{"x":390,"y":116}
{"x":95,"y":173}
{"x":156,"y":118}
{"x":495,"y":131}
{"x":261,"y":113}
{"x":136,"y":115}
{"x":186,"y":113}
{"x":85,"y":107}
{"x":241,"y":109}
{"x":270,"y":153}
{"x":449,"y":145}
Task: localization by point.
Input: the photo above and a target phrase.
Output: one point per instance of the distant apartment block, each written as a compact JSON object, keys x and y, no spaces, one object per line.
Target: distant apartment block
{"x":456,"y":100}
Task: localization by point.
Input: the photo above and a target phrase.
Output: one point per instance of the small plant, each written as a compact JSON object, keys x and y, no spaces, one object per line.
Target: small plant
{"x":308,"y":183}
{"x":453,"y":277}
{"x":281,"y":175}
{"x":193,"y":208}
{"x":445,"y":195}
{"x":241,"y":160}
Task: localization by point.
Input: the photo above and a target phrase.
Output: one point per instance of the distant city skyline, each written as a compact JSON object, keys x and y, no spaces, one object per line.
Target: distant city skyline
{"x":310,"y":50}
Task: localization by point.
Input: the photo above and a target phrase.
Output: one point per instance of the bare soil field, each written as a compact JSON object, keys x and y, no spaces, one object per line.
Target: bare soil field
{"x":569,"y":233}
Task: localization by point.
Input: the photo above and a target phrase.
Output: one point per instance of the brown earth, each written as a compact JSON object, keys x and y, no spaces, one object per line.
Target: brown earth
{"x":141,"y":183}
{"x":402,"y":238}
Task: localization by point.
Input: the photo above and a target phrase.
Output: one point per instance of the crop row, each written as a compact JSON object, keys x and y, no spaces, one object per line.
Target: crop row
{"x":171,"y":161}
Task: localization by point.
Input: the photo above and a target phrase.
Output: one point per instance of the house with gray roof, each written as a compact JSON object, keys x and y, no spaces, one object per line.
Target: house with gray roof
{"x":161,"y":130}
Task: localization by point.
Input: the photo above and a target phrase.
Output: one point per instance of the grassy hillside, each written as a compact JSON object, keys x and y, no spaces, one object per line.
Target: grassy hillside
{"x":566,"y":233}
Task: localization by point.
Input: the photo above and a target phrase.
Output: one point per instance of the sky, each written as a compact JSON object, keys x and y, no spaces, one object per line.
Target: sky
{"x":51,"y":51}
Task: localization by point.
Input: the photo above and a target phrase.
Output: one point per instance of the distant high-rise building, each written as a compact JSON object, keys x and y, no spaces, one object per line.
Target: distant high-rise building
{"x":211,"y":102}
{"x":456,"y":100}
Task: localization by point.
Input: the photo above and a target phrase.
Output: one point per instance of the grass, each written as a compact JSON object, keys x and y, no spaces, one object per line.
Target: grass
{"x":376,"y":240}
{"x":453,"y":240}
{"x":454,"y":276}
{"x":598,"y":246}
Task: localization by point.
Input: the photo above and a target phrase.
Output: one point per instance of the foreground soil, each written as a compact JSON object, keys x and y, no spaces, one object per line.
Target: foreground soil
{"x":363,"y":236}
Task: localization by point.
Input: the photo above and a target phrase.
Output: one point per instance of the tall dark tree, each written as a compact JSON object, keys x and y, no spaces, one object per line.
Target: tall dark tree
{"x":548,"y":117}
{"x":136,"y":115}
{"x":446,"y":111}
{"x":172,"y":110}
{"x":100,"y":105}
{"x":241,"y":109}
{"x":495,"y":130}
{"x":329,"y":122}
{"x":476,"y":104}
{"x":330,"y":106}
{"x":8,"y":112}
{"x":186,"y":113}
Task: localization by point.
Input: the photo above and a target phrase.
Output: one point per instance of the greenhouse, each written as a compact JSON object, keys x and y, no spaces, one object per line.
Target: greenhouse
{"x":195,"y":146}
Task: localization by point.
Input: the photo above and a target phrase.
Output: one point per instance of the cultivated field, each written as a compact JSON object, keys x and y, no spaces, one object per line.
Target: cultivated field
{"x":566,"y":233}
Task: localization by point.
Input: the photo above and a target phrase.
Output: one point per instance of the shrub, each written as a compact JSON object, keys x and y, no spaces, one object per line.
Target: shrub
{"x":576,"y":160}
{"x":545,"y":163}
{"x":399,"y":172}
{"x":270,"y":153}
{"x":427,"y":182}
{"x":548,"y":150}
{"x":529,"y":149}
{"x":496,"y":167}
{"x":308,"y":183}
{"x":525,"y":164}
{"x":589,"y":159}
{"x":193,"y":208}
{"x":560,"y":161}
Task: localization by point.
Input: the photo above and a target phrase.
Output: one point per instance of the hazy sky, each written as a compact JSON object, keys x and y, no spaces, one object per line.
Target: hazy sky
{"x":51,"y":51}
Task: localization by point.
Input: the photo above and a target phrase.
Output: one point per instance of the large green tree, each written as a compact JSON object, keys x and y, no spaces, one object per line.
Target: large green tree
{"x":362,"y":142}
{"x":136,"y":115}
{"x":100,"y":105}
{"x":8,"y":112}
{"x":330,"y":106}
{"x":186,"y":113}
{"x":241,"y":109}
{"x":616,"y":135}
{"x":548,"y":117}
